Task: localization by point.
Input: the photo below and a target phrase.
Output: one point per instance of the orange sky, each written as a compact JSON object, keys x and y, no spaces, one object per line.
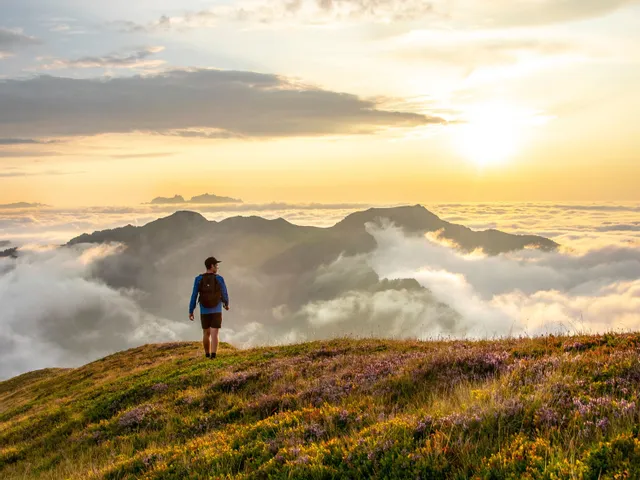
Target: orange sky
{"x":504,"y":102}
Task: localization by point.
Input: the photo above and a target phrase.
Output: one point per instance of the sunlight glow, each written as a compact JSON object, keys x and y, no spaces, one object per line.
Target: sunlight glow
{"x":492,"y":134}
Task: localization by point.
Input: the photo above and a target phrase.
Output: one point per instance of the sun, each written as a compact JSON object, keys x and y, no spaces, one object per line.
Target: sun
{"x":491,"y":134}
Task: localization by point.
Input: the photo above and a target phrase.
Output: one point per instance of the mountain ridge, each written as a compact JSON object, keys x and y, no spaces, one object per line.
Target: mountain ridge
{"x":206,"y":198}
{"x":277,"y":270}
{"x":413,"y":219}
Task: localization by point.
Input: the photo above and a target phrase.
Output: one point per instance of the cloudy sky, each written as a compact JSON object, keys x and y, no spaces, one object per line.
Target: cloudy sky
{"x":379,"y":101}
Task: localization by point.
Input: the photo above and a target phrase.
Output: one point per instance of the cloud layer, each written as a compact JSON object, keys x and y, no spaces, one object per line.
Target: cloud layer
{"x":242,"y":103}
{"x":580,"y":227}
{"x":11,"y":40}
{"x":139,"y":58}
{"x":501,"y":13}
{"x":46,"y":226}
{"x":54,"y":313}
{"x":525,"y":292}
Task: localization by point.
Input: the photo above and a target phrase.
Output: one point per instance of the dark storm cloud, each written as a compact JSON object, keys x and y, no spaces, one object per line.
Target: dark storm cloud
{"x":243,"y":103}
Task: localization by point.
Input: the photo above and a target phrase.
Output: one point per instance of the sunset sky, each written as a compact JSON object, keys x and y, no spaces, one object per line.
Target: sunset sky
{"x":112,"y":103}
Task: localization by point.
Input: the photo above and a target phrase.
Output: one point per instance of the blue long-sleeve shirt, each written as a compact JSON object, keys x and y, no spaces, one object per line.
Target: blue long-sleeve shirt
{"x":194,"y":297}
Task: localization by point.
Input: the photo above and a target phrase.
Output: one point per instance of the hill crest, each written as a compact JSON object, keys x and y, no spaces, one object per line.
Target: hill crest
{"x":347,"y":408}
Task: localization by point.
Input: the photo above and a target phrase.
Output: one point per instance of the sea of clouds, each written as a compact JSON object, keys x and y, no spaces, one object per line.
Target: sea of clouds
{"x":52,"y":225}
{"x":53,"y":311}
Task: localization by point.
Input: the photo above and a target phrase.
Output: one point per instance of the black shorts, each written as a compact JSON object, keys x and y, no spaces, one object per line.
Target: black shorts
{"x":211,"y":320}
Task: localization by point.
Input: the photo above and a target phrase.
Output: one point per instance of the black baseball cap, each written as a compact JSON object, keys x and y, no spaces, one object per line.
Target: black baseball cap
{"x":209,"y":262}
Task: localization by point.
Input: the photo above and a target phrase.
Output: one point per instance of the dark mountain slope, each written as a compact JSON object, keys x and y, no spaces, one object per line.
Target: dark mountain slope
{"x":271,"y":265}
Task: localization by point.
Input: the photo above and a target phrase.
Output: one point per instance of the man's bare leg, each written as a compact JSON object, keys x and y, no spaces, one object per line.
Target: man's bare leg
{"x":206,"y":340}
{"x":215,"y":332}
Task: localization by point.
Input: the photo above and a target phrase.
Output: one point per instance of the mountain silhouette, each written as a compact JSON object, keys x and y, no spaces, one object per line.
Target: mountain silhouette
{"x":168,"y":200}
{"x":418,"y":220}
{"x":274,"y":266}
{"x":280,"y":247}
{"x":208,"y":198}
{"x":211,"y":198}
{"x":349,"y":235}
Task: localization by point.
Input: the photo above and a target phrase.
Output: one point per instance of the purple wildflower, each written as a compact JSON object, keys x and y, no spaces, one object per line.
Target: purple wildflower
{"x":135,"y":417}
{"x":160,"y":387}
{"x":424,"y":427}
{"x":235,"y":381}
{"x":343,"y":416}
{"x":313,"y":432}
{"x":603,"y":424}
{"x":547,"y":417}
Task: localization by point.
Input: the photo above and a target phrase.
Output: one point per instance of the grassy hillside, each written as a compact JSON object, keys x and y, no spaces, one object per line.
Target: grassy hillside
{"x":549,"y":407}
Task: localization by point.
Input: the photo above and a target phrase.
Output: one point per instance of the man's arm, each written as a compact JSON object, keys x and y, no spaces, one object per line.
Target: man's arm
{"x":225,"y":293}
{"x":194,"y":296}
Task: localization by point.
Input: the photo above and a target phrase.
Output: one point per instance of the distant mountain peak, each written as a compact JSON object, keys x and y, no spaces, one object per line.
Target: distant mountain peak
{"x":211,"y":198}
{"x":206,"y":198}
{"x":165,"y":200}
{"x":410,"y":217}
{"x":182,"y":216}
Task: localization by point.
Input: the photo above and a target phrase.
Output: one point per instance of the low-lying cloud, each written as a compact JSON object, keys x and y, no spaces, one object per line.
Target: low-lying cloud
{"x":467,"y":296}
{"x":55,"y":313}
{"x":527,"y":292}
{"x":580,"y":227}
{"x":25,"y":223}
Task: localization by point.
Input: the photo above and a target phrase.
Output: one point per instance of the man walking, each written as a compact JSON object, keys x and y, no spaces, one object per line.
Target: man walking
{"x":212,"y":293}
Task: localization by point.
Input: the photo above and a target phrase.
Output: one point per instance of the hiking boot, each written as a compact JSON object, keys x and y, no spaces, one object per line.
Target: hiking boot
{"x":207,"y":355}
{"x":212,"y":356}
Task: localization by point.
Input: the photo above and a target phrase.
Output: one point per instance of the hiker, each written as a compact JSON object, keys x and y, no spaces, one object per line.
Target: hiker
{"x":212,"y":293}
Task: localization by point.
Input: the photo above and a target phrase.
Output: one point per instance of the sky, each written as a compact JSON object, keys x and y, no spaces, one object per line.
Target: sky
{"x":330,"y":101}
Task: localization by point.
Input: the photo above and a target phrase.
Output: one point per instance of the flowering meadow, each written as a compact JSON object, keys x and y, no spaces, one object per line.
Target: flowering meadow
{"x":552,"y":407}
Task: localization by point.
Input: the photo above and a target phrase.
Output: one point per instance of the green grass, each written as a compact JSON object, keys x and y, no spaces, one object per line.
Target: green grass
{"x":531,"y":408}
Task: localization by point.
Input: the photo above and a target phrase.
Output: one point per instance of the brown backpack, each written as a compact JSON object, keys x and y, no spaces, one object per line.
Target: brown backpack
{"x":210,"y":290}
